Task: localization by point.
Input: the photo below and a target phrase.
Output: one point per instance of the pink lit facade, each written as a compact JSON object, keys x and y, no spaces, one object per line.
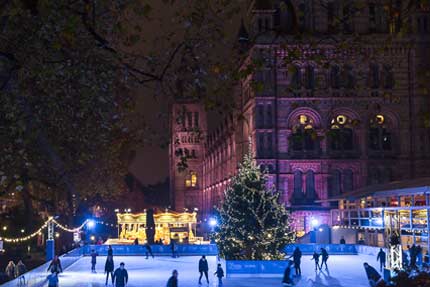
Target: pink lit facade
{"x":321,"y":129}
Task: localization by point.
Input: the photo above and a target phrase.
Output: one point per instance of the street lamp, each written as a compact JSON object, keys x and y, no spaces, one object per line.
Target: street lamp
{"x":91,"y":223}
{"x":4,"y":228}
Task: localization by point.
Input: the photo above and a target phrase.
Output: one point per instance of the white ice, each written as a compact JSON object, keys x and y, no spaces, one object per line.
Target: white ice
{"x":345,"y":270}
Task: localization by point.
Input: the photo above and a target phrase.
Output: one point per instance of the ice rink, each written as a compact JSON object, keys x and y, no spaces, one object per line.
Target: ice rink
{"x":346,"y":270}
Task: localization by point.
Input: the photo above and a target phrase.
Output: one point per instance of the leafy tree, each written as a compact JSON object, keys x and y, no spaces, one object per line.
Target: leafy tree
{"x":253,"y":224}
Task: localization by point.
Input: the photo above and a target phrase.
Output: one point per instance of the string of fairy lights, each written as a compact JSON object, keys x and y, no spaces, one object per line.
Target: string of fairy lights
{"x":59,"y":225}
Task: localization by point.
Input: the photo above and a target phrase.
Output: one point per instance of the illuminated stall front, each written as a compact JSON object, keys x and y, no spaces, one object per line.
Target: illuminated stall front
{"x":366,"y":211}
{"x":168,"y":225}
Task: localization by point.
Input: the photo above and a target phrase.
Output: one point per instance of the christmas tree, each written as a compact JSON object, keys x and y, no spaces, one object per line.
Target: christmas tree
{"x":253,"y":225}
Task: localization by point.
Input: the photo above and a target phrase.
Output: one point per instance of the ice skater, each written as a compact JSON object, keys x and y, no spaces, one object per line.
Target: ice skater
{"x":203,"y":269}
{"x":324,"y":258}
{"x":55,"y":265}
{"x":173,"y":280}
{"x":20,"y":269}
{"x":381,"y":259}
{"x":120,"y":276}
{"x":375,"y":279}
{"x":94,"y":255}
{"x":286,"y":281}
{"x":109,"y":267}
{"x":110,"y":251}
{"x":52,"y":279}
{"x":148,"y":250}
{"x":316,"y":257}
{"x":219,"y":274}
{"x":297,"y":257}
{"x":173,"y":248}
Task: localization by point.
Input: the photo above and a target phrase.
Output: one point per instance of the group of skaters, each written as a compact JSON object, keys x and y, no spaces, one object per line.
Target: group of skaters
{"x":119,"y":277}
{"x":296,"y":263}
{"x":13,"y":271}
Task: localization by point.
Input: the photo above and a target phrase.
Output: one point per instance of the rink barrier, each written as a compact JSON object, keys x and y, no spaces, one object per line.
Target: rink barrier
{"x":37,"y":277}
{"x":157,"y":250}
{"x":255,"y":268}
{"x":335,"y":249}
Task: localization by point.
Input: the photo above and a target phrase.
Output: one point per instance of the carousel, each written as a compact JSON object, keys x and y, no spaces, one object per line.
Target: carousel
{"x":168,"y":225}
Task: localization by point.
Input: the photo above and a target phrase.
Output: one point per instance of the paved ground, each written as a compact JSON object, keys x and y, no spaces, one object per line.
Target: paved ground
{"x":343,"y":271}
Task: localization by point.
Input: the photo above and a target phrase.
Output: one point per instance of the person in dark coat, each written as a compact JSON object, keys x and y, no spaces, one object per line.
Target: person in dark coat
{"x":94,"y":255}
{"x":297,"y":257}
{"x":173,"y":248}
{"x":203,"y":269}
{"x":219,"y":274}
{"x":52,"y":279}
{"x":20,"y":269}
{"x":148,"y":250}
{"x":381,"y":258}
{"x":136,"y":241}
{"x":373,"y":276}
{"x":342,"y":240}
{"x":324,"y":257}
{"x":110,"y":251}
{"x":286,"y":280}
{"x":173,"y":280}
{"x":316,"y":257}
{"x":109,"y":266}
{"x":120,"y":276}
{"x":413,"y":256}
{"x":55,"y":265}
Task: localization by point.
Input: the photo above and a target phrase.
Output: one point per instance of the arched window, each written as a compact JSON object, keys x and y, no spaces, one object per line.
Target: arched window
{"x":374,"y":76}
{"x":348,"y":182}
{"x":335,"y":77}
{"x":310,"y":186}
{"x":284,"y":17}
{"x":298,"y":191}
{"x":310,"y":78}
{"x":304,"y":136}
{"x":296,"y":76}
{"x":341,"y":136}
{"x":380,"y":137}
{"x":334,"y":183}
{"x":388,"y":77}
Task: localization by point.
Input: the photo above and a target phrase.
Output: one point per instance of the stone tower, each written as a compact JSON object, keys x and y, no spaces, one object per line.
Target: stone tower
{"x":188,"y":129}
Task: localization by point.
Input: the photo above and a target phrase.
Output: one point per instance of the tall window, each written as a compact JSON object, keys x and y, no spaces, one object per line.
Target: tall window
{"x":377,"y":18}
{"x":310,"y":186}
{"x":332,"y":16}
{"x":310,"y":77}
{"x":191,"y":179}
{"x":380,"y":137}
{"x":298,"y":191}
{"x":269,"y":115}
{"x":341,"y":135}
{"x":260,"y":116}
{"x":304,"y":135}
{"x":269,"y":144}
{"x":374,"y":76}
{"x":260,"y":144}
{"x":196,"y":119}
{"x":348,"y":77}
{"x":190,"y":119}
{"x":348,"y":183}
{"x":347,"y":18}
{"x":295,"y":77}
{"x":334,"y":182}
{"x":335,"y":77}
{"x":388,"y":77}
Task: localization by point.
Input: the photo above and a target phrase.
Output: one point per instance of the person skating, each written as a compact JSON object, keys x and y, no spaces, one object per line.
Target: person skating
{"x":286,"y":280}
{"x":381,"y":258}
{"x":55,"y":265}
{"x":20,"y":269}
{"x":148,"y":250}
{"x":203,"y":269}
{"x":173,"y":248}
{"x":120,"y":276}
{"x":52,"y":279}
{"x":219,"y":274}
{"x":297,"y":257}
{"x":342,"y":240}
{"x":316,"y":257}
{"x":10,"y":270}
{"x":324,"y":258}
{"x":173,"y":280}
{"x":94,"y":255}
{"x":373,"y":276}
{"x":110,"y":251}
{"x":136,"y":241}
{"x":109,"y":267}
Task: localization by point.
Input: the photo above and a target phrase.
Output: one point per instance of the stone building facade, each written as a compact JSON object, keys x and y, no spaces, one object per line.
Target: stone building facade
{"x":330,"y":119}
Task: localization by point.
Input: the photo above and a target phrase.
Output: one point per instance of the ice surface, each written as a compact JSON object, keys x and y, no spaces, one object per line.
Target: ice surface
{"x":344,"y":270}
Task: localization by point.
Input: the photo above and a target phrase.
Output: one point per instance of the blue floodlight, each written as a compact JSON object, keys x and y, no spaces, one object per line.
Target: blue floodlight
{"x":213,"y":222}
{"x":91,"y":223}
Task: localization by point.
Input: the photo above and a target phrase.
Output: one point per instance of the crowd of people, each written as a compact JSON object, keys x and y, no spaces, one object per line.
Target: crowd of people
{"x":13,"y":271}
